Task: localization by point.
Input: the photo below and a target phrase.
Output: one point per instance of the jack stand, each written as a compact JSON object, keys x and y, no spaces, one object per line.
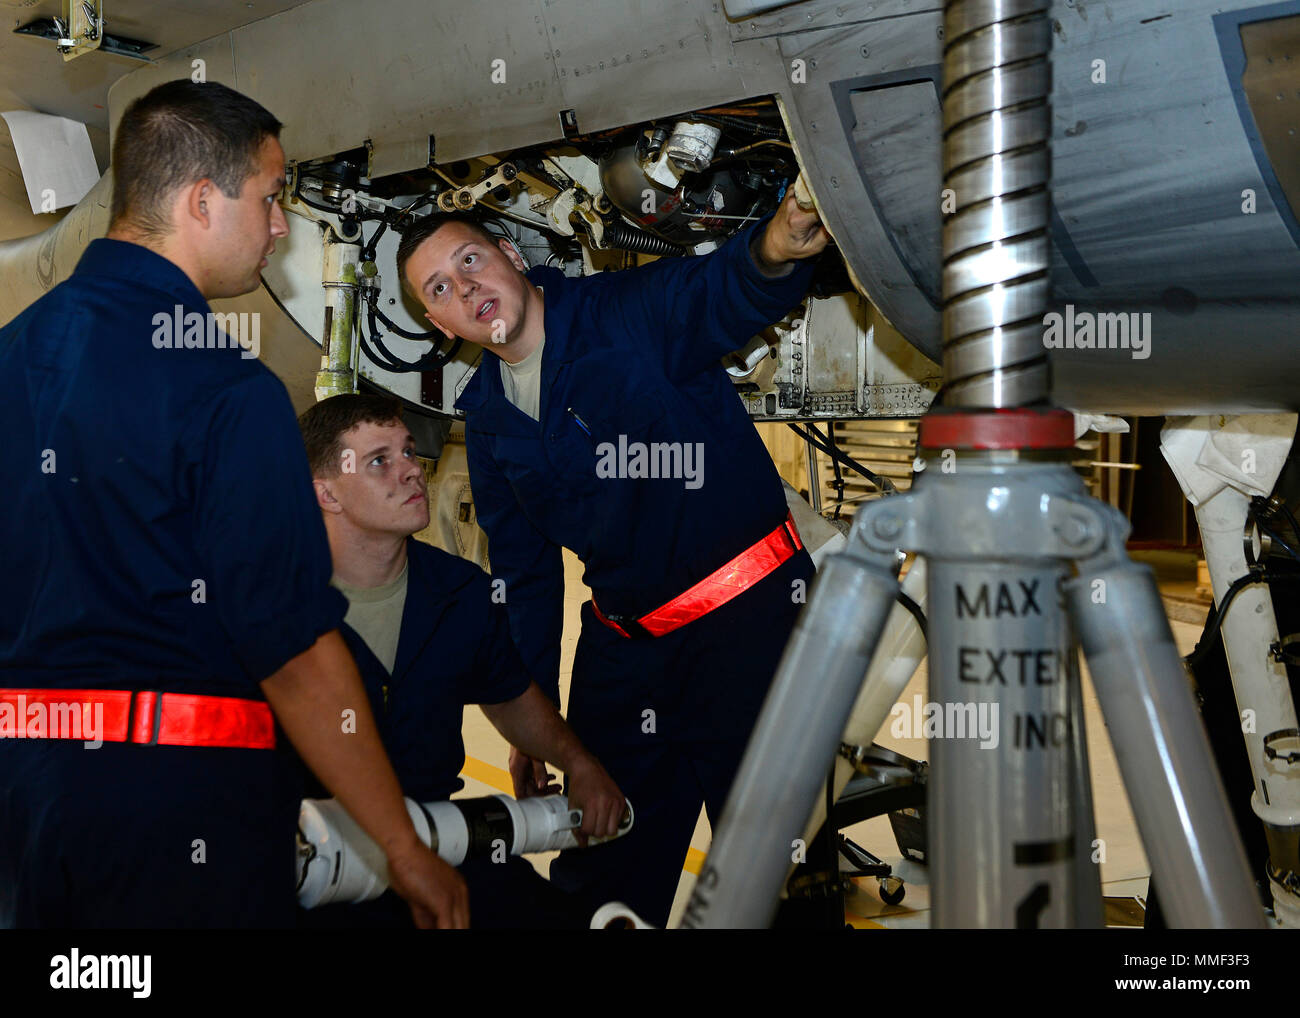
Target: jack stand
{"x":1008,"y":807}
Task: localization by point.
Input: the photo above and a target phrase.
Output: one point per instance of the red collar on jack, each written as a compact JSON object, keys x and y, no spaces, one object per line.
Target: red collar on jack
{"x":1018,"y":428}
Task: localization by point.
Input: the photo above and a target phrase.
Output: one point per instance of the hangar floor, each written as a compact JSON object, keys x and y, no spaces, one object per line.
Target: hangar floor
{"x":1124,"y":872}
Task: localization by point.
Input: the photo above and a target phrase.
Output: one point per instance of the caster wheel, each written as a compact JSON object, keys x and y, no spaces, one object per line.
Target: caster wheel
{"x":892,"y":890}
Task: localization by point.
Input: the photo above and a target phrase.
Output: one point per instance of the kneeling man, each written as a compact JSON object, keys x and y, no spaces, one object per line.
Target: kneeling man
{"x":429,"y":637}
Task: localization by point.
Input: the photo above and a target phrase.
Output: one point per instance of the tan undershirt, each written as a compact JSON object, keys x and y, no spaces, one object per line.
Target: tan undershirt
{"x":376,"y":614}
{"x":522,"y":382}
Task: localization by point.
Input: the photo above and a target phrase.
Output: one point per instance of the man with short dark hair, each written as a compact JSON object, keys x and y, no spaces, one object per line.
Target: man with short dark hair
{"x":589,"y":432}
{"x":429,"y":637}
{"x":417,"y":233}
{"x":166,"y":578}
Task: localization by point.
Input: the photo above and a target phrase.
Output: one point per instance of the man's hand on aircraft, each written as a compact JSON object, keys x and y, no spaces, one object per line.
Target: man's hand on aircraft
{"x":593,"y":791}
{"x":792,"y":234}
{"x":530,"y":776}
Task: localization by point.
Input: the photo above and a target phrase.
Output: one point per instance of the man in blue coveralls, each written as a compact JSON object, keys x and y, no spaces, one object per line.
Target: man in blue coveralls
{"x":166,"y":586}
{"x":608,"y":426}
{"x":429,"y":637}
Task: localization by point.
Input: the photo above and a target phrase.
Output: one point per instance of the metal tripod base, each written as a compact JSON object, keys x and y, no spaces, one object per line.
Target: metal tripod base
{"x":1009,"y":806}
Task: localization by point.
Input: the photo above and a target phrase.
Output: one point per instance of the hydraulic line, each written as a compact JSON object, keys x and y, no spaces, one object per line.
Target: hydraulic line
{"x":815,"y":438}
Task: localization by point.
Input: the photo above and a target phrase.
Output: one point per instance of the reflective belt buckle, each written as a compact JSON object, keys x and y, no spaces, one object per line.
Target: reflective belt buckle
{"x":626,"y":626}
{"x":792,"y":532}
{"x":144,"y":717}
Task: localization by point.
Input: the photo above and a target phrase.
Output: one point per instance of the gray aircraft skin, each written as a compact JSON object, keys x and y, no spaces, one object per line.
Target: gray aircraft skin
{"x":1176,"y":163}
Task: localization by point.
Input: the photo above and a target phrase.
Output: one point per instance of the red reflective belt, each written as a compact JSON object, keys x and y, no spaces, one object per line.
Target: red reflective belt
{"x":147,"y":717}
{"x":716,"y":589}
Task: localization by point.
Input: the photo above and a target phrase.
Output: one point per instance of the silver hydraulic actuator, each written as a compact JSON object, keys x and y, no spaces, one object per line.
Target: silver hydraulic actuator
{"x":339,"y":862}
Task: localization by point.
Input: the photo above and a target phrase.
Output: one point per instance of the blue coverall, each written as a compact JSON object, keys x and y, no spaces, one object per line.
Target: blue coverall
{"x":160,"y":534}
{"x":633,"y":356}
{"x":454,"y":648}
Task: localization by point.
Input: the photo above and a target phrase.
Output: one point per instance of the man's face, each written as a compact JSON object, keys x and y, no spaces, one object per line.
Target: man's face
{"x":470,"y":287}
{"x":385,"y":493}
{"x":244,"y":229}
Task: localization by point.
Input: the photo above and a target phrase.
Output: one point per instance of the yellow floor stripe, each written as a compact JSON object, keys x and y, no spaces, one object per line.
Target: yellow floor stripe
{"x":495,"y":776}
{"x":500,"y":779}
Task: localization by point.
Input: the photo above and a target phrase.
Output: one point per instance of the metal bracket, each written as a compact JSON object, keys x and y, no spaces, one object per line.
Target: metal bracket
{"x":464,"y":198}
{"x":1019,"y":522}
{"x":80,"y":30}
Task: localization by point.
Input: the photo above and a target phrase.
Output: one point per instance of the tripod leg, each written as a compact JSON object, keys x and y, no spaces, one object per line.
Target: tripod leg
{"x":902,"y":647}
{"x":1163,"y":753}
{"x":1089,"y":913}
{"x":784,"y":767}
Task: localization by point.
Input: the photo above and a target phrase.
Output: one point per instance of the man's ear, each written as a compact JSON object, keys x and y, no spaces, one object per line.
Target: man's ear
{"x":325,"y":498}
{"x":198,"y":197}
{"x":511,"y":252}
{"x":439,"y":326}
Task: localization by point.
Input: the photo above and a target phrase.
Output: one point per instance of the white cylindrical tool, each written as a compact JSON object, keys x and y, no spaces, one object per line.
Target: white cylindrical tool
{"x":339,"y":862}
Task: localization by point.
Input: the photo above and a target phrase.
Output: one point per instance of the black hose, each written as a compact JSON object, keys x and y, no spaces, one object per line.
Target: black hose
{"x":369,"y":249}
{"x":744,"y":124}
{"x":433,"y":335}
{"x":384,"y":360}
{"x":838,"y":483}
{"x":628,"y":238}
{"x":382,"y":356}
{"x":907,"y":602}
{"x":736,"y":124}
{"x":373,"y":345}
{"x":884,"y":484}
{"x":1257,"y":574}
